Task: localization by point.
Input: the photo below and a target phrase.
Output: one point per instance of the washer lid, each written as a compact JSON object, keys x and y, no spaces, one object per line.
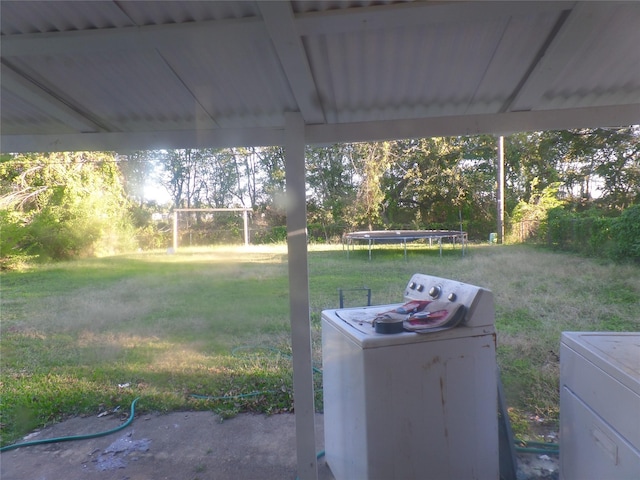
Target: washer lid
{"x":357,"y":324}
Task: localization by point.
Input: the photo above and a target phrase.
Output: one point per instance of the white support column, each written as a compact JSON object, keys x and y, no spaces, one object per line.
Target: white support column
{"x":299,"y":297}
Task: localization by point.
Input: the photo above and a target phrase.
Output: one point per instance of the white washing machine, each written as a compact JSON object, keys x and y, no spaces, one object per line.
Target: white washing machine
{"x":600,"y":406}
{"x":418,"y":404}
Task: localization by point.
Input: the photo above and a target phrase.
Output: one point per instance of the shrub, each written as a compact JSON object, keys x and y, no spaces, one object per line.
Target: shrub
{"x":152,"y":236}
{"x":593,"y":232}
{"x":277,"y":234}
{"x":625,"y":232}
{"x":536,"y":215}
{"x":12,"y":236}
{"x":64,"y":205}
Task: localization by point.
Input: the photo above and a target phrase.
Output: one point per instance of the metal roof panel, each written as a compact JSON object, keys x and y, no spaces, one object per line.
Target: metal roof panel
{"x":605,"y":66}
{"x":153,"y":12}
{"x":20,"y":17}
{"x":25,"y":117}
{"x":106,"y":67}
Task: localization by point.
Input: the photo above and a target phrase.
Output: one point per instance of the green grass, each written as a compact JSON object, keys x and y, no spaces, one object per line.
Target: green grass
{"x":169,"y":326}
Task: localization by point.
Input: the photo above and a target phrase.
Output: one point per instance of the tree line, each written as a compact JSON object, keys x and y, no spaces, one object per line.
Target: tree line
{"x":62,"y":205}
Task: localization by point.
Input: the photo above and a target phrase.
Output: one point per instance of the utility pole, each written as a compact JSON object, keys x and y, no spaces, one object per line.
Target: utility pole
{"x":500,"y":196}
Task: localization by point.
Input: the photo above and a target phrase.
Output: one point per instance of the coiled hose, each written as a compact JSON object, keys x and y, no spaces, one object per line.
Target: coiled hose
{"x":525,"y":446}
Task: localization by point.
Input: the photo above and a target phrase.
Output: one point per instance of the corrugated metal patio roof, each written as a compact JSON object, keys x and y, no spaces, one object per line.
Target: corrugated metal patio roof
{"x":107,"y":74}
{"x":120,"y":75}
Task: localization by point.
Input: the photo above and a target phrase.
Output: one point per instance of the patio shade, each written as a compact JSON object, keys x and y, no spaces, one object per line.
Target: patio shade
{"x":136,"y":75}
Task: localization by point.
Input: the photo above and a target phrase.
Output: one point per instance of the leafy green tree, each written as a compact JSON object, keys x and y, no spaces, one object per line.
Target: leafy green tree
{"x":531,"y":160}
{"x":612,"y":156}
{"x":329,"y":182}
{"x":599,"y":165}
{"x":429,"y":178}
{"x":270,"y":195}
{"x":197,"y":178}
{"x":138,"y":170}
{"x":531,"y":217}
{"x":181,"y":175}
{"x":219,"y":179}
{"x":439,"y":182}
{"x":371,"y":161}
{"x":63,"y":205}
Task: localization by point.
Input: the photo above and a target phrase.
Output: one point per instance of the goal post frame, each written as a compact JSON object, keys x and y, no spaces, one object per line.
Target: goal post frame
{"x":245,"y":219}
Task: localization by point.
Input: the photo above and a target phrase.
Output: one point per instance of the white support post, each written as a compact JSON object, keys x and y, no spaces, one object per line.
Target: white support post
{"x":299,"y":297}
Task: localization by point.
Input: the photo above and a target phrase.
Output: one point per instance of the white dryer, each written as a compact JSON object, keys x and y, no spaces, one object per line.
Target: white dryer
{"x":600,"y":406}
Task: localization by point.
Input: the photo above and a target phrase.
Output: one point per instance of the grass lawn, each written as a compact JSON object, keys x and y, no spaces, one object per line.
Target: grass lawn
{"x":87,"y":336}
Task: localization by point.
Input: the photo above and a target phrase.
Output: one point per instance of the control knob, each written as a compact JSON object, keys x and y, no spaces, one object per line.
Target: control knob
{"x":452,"y":297}
{"x":435,"y":291}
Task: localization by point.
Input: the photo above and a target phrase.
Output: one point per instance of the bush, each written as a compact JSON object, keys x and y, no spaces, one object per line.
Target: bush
{"x":62,"y":206}
{"x":593,"y":232}
{"x":12,"y":257}
{"x":625,"y":232}
{"x":153,"y":236}
{"x":325,"y":233}
{"x":536,"y":216}
{"x":277,"y":234}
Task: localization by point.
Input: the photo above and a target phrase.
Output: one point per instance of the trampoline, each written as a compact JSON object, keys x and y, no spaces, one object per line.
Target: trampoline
{"x":403,"y":237}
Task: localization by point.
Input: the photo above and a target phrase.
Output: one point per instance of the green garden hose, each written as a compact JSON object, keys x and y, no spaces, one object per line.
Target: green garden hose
{"x":524,"y":446}
{"x":76,"y":437}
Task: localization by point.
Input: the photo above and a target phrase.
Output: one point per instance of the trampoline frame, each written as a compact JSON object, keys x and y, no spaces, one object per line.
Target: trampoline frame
{"x":402,"y":237}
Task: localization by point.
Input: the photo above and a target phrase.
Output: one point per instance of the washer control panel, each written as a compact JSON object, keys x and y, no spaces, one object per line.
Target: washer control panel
{"x":427,"y":287}
{"x":479,"y":311}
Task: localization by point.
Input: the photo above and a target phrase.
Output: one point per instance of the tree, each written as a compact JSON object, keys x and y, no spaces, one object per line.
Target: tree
{"x":592,"y":165}
{"x":248,"y":162}
{"x":63,"y":205}
{"x":330,"y":184}
{"x":181,"y":175}
{"x":137,"y":169}
{"x":581,"y":177}
{"x":370,"y":161}
{"x":206,"y":177}
{"x":270,"y":197}
{"x":610,"y":159}
{"x":531,"y":159}
{"x":219,"y":178}
{"x":434,"y":182}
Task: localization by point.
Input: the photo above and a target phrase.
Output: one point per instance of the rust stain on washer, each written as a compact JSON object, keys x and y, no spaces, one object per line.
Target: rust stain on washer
{"x":431,"y":363}
{"x":442,"y":399}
